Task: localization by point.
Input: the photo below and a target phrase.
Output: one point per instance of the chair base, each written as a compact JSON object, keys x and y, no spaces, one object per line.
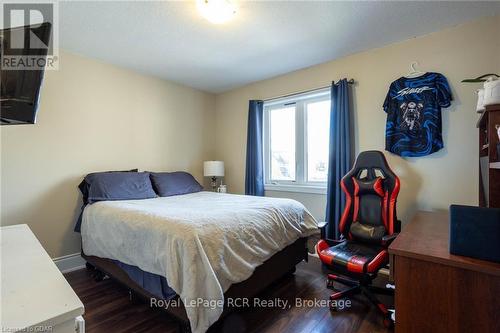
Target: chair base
{"x":360,"y":287}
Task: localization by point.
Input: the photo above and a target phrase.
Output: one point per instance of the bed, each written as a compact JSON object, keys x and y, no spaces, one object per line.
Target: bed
{"x":208,"y":246}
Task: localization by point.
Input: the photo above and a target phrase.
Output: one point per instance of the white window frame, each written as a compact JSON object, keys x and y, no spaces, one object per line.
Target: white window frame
{"x":300,"y":184}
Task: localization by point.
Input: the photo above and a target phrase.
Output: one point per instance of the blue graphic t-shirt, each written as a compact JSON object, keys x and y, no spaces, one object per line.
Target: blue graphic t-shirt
{"x":413,"y":107}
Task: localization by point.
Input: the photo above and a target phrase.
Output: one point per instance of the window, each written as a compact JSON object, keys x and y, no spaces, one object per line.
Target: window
{"x":296,"y":139}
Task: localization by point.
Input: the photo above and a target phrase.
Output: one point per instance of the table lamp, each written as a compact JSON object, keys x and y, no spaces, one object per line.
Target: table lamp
{"x":213,"y":169}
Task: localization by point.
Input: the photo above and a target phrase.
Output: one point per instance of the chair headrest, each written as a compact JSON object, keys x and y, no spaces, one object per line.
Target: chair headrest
{"x":371,"y":158}
{"x":370,"y":165}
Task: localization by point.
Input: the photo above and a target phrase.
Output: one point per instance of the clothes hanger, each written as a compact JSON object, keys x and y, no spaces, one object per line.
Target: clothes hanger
{"x":414,"y":72}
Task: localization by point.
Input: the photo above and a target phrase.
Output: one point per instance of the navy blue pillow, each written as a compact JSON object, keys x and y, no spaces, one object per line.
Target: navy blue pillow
{"x":119,"y":186}
{"x":84,"y":186}
{"x":114,"y":185}
{"x":174,"y":183}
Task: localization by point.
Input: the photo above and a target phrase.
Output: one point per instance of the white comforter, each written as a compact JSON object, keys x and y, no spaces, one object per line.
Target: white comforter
{"x":200,"y":242}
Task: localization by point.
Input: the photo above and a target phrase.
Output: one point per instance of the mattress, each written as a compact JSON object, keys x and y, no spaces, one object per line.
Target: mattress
{"x":202,"y":243}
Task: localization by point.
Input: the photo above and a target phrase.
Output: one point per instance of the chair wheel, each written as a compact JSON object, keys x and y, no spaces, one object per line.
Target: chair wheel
{"x":99,"y":276}
{"x":89,"y":267}
{"x":329,"y":284}
{"x":388,"y":323}
{"x":132,"y":297}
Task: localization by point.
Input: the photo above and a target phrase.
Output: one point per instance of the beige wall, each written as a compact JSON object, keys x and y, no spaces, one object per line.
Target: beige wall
{"x":433,"y":182}
{"x":94,"y":117}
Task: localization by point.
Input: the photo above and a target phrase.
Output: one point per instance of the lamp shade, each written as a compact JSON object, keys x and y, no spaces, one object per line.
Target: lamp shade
{"x":213,"y":169}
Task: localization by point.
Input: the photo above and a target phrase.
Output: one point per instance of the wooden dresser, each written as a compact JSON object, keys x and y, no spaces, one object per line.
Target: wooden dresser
{"x":437,"y":291}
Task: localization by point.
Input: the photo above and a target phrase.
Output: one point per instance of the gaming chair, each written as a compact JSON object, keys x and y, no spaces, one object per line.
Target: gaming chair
{"x":368,"y":225}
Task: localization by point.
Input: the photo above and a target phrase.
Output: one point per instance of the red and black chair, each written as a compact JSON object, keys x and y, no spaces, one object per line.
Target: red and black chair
{"x":368,"y":225}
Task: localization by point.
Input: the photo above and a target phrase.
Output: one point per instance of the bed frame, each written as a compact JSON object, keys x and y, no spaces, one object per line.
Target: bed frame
{"x":279,"y":265}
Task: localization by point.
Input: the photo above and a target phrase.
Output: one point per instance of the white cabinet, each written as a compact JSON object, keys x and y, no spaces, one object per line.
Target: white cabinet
{"x":35,"y":295}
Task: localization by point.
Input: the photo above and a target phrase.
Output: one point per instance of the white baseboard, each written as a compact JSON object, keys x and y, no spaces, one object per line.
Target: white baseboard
{"x":69,"y":263}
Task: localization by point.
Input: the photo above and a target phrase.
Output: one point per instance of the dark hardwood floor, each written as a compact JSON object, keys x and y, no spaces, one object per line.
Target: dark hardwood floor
{"x":108,"y":308}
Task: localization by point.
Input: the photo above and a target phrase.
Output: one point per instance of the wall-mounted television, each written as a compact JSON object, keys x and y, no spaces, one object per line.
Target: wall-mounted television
{"x":20,"y":85}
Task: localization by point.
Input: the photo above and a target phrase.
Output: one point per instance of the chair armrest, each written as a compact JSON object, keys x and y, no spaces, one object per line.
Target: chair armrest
{"x":387,"y":239}
{"x":331,"y":242}
{"x":322,"y":225}
{"x":322,"y":228}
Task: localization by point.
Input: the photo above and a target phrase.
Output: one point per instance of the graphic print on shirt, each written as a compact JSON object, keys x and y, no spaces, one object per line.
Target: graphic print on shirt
{"x":408,"y":91}
{"x":411,"y":115}
{"x":413,"y":107}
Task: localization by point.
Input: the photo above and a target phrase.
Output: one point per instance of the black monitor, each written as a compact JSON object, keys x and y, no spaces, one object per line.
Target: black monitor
{"x":20,"y":85}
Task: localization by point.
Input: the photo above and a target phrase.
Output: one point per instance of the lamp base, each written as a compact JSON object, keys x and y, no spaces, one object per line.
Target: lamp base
{"x":214,"y":184}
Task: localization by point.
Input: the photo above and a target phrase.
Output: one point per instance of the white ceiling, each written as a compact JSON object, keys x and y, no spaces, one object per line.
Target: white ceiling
{"x":265,"y":39}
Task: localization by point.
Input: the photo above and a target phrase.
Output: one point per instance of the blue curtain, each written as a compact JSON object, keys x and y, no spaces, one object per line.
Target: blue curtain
{"x":254,"y":175}
{"x":340,"y":155}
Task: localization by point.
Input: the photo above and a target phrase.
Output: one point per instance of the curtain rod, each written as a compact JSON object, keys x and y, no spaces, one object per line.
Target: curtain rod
{"x":351,"y":81}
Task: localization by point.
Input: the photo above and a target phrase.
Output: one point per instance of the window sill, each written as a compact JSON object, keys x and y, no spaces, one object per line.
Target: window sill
{"x":296,"y":188}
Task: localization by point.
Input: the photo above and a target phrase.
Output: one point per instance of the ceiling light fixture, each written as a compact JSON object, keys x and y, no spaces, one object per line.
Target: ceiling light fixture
{"x":216,"y":11}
